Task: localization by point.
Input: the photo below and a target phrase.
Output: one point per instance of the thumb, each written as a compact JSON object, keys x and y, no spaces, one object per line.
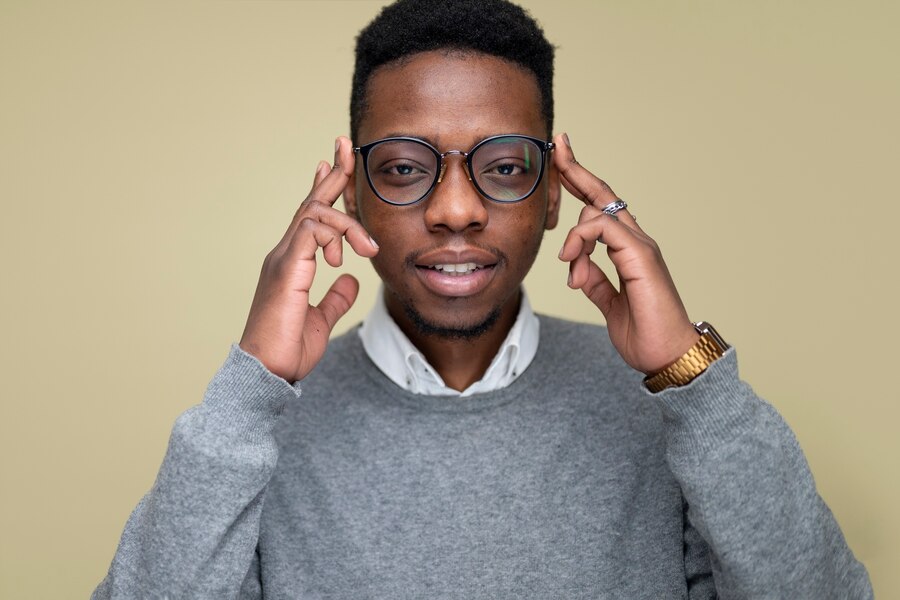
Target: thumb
{"x":338,"y":300}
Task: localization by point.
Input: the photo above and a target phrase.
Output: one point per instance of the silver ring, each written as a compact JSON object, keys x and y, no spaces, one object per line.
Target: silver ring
{"x":614,"y":207}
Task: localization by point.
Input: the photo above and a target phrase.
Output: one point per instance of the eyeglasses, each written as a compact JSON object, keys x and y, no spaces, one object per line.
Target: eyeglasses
{"x":504,"y":168}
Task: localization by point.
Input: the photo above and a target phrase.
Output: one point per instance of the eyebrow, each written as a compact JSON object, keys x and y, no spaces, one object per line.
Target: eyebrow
{"x":433,"y":142}
{"x":406,"y":134}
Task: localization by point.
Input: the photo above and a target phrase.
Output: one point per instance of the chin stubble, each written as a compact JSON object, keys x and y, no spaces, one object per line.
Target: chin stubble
{"x":430,"y":329}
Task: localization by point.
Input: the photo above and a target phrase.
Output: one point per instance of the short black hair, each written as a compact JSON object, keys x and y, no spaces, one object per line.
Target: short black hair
{"x":493,"y":27}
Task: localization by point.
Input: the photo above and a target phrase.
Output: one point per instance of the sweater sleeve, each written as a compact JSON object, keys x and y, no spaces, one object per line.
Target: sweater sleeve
{"x":194,"y":534}
{"x":751,"y":495}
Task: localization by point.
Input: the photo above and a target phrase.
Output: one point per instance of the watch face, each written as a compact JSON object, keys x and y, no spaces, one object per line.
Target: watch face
{"x":704,"y":328}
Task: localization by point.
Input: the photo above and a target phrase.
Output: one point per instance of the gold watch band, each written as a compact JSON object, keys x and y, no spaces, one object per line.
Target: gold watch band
{"x":705,"y":352}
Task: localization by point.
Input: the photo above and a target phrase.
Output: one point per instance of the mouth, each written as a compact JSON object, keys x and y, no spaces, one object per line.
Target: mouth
{"x":457,"y":273}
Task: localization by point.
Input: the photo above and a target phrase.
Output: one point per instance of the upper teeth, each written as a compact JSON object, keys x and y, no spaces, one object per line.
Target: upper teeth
{"x":460,"y":268}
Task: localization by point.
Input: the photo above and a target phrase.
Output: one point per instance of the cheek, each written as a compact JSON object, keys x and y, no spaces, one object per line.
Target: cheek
{"x":399,"y":234}
{"x":380,"y":219}
{"x":392,"y":228}
{"x":526,"y":231}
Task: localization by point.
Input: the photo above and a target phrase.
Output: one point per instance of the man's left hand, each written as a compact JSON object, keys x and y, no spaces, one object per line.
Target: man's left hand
{"x":646,"y":318}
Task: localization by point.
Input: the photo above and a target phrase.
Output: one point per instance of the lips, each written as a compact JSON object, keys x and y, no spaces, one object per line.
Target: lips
{"x":456,"y":272}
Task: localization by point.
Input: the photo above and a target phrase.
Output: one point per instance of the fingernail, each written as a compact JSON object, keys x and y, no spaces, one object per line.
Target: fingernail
{"x":321,"y":167}
{"x":566,"y":140}
{"x":569,"y":280}
{"x":337,"y":149}
{"x":561,"y":252}
{"x":374,"y":245}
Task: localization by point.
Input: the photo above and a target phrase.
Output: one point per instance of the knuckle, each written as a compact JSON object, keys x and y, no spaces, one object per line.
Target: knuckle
{"x":308,"y":224}
{"x":268,"y":266}
{"x":649,"y":250}
{"x":576,"y":233}
{"x":275,"y":255}
{"x":313,"y":206}
{"x":587,"y":212}
{"x":652,"y":243}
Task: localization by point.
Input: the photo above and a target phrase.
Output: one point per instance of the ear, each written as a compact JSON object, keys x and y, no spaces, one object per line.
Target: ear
{"x":350,"y":206}
{"x":554,"y":193}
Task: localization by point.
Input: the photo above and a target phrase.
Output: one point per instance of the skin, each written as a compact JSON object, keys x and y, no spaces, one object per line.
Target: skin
{"x":453,"y":101}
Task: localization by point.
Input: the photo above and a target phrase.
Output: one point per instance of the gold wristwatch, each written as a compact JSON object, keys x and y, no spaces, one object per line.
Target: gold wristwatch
{"x":705,"y":352}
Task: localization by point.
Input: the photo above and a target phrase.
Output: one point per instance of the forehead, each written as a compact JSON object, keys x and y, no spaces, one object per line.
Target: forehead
{"x":451,"y":99}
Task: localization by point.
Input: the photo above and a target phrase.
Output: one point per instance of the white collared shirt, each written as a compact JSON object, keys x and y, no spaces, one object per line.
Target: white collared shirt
{"x":396,"y":357}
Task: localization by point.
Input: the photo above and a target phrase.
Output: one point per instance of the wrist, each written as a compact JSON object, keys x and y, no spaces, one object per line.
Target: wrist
{"x":708,"y":347}
{"x":685,"y":342}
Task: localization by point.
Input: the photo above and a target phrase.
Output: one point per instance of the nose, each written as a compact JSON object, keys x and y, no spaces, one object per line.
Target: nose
{"x":454,"y":204}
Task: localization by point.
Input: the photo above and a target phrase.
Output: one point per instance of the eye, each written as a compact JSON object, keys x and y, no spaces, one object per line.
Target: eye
{"x":400,"y":172}
{"x":507,"y":169}
{"x":402,"y":169}
{"x":399,"y":168}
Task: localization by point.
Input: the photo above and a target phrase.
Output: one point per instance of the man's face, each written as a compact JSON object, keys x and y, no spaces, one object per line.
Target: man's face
{"x":453,"y":102}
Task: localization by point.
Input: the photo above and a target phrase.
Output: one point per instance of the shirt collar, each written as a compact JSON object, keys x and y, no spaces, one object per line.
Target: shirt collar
{"x":395,"y":356}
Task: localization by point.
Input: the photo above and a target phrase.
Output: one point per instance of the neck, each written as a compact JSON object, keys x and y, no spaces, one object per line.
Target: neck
{"x":459,"y":360}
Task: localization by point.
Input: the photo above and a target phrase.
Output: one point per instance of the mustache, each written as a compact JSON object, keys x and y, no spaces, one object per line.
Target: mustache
{"x":412,"y":259}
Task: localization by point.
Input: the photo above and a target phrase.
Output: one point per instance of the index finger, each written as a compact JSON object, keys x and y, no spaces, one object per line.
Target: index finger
{"x":580,"y":182}
{"x":327,"y":187}
{"x":332,"y":185}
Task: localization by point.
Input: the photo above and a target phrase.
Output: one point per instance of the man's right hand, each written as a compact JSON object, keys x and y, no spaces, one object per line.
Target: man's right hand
{"x":283,"y":330}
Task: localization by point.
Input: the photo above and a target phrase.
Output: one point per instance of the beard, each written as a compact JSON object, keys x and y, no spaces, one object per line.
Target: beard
{"x":450,"y":332}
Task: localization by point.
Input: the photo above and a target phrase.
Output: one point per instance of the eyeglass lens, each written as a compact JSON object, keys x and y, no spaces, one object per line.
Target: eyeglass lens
{"x":506,"y":169}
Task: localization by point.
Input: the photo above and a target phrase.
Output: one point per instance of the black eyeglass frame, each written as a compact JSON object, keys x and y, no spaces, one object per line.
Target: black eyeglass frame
{"x":544,"y":146}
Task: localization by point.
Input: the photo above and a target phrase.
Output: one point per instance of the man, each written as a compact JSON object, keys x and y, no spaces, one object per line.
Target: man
{"x":457,"y":445}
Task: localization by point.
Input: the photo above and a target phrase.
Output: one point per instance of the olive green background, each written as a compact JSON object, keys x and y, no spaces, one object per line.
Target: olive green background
{"x":152,"y":153}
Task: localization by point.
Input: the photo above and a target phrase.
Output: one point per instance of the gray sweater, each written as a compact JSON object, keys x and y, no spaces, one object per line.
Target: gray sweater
{"x":573,"y":482}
